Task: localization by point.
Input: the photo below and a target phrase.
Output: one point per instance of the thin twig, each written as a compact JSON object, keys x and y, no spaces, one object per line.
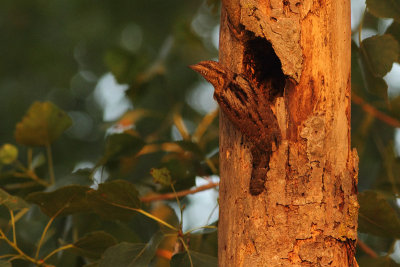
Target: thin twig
{"x":145,"y":213}
{"x":204,"y":124}
{"x":179,"y":205}
{"x":28,"y":173}
{"x":360,"y":26}
{"x":374,"y":112}
{"x":12,"y":219}
{"x":50,"y":163}
{"x":8,"y":256}
{"x":15,"y":247}
{"x":211,"y":165}
{"x":20,"y":214}
{"x":199,"y":228}
{"x":58,"y":250}
{"x":369,"y":251}
{"x":167,"y":147}
{"x":182,"y":193}
{"x":180,"y":125}
{"x":30,"y":154}
{"x":45,"y":231}
{"x":187,"y":250}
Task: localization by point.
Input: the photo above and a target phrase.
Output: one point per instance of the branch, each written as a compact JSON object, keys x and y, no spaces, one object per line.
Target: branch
{"x":374,"y":112}
{"x":152,"y":198}
{"x":367,"y":250}
{"x":20,"y":252}
{"x":50,"y":164}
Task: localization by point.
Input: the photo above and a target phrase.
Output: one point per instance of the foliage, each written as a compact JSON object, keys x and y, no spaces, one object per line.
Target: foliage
{"x":374,"y":120}
{"x":73,"y":180}
{"x":79,"y":188}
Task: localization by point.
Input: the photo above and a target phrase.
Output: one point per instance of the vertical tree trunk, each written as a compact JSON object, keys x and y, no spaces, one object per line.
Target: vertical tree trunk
{"x":307,"y":214}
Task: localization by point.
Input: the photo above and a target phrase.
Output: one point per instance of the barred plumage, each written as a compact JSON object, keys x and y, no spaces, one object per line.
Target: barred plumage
{"x":249,"y":109}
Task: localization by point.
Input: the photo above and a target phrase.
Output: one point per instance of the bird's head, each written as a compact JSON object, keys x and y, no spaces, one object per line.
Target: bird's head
{"x":213,"y":72}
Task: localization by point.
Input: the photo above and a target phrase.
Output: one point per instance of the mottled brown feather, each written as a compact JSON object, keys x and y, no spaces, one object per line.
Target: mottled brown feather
{"x":249,"y":109}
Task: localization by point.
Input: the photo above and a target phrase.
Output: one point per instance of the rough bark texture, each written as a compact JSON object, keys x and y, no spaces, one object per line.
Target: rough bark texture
{"x":307,"y":214}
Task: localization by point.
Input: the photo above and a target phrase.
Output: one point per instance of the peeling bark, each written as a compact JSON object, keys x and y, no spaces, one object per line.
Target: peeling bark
{"x":307,"y":216}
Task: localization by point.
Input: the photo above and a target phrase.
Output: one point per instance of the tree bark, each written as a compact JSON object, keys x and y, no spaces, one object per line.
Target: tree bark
{"x":307,"y":214}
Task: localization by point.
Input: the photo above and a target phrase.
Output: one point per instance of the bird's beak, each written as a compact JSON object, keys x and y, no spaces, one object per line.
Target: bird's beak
{"x":199,"y":67}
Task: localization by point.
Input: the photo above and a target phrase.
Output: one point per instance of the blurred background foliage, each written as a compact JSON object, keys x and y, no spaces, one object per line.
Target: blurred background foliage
{"x":120,"y":72}
{"x":140,"y":125}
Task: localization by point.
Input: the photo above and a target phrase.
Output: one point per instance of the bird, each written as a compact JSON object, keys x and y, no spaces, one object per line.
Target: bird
{"x":248,"y":106}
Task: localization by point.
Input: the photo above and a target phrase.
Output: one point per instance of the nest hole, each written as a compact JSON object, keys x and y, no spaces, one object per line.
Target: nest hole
{"x":264,"y":67}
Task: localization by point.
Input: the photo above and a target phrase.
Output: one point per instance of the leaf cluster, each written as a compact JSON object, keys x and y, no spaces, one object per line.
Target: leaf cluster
{"x":375,"y":116}
{"x":73,"y":179}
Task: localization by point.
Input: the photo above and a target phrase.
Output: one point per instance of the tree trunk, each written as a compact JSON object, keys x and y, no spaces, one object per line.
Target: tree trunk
{"x":306,"y":215}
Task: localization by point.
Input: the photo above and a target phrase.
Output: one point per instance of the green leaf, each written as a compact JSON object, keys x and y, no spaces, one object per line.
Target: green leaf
{"x":12,"y":202}
{"x":183,"y":172}
{"x":191,"y":147}
{"x":376,"y":86}
{"x":79,"y":177}
{"x":131,"y":255}
{"x":5,"y":263}
{"x":384,"y":8}
{"x":123,"y":65}
{"x":198,"y":260}
{"x":357,"y":79}
{"x":94,"y":244}
{"x":121,"y":255}
{"x":386,"y":183}
{"x":374,"y":262}
{"x":162,"y":176}
{"x":122,"y":145}
{"x":205,"y":243}
{"x":362,"y":80}
{"x":42,"y":124}
{"x":8,"y":154}
{"x":380,"y":52}
{"x":64,"y":201}
{"x":394,"y":30}
{"x":114,"y":199}
{"x":376,"y":216}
